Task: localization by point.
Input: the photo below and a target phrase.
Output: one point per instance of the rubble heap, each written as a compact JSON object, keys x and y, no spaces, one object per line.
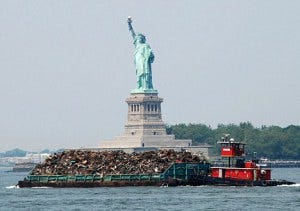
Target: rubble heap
{"x":112,"y":162}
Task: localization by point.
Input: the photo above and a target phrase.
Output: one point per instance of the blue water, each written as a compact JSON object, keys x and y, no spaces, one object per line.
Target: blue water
{"x":152,"y":198}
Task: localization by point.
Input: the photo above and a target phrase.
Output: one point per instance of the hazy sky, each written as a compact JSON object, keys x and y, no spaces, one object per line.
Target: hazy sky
{"x":67,"y":66}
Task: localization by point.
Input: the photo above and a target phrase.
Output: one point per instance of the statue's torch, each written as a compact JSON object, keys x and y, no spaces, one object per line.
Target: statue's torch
{"x":129,"y":21}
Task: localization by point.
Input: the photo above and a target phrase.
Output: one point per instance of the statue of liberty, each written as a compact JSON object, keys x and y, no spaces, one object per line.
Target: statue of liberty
{"x":143,"y":57}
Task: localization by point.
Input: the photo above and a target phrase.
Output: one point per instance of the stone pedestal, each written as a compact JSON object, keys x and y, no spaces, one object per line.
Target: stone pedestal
{"x":144,"y":126}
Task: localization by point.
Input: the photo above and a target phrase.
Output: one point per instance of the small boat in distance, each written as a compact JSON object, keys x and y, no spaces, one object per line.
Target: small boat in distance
{"x":23,"y":167}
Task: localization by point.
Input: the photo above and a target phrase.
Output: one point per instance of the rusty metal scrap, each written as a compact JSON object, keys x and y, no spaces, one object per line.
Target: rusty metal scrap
{"x":113,"y":162}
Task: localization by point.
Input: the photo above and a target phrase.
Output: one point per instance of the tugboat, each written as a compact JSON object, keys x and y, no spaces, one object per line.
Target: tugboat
{"x":239,"y":172}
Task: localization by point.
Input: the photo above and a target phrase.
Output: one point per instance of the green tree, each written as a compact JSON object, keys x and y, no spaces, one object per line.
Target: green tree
{"x":267,"y":141}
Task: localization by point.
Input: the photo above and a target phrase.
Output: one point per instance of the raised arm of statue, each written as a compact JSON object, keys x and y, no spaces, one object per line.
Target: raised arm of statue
{"x":129,"y":21}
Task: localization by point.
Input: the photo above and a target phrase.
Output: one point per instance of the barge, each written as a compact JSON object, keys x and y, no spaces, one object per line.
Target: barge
{"x":160,"y":168}
{"x":177,"y":174}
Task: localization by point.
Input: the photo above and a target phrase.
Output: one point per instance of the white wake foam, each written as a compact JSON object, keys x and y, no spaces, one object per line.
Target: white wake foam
{"x":12,"y":186}
{"x":294,"y":185}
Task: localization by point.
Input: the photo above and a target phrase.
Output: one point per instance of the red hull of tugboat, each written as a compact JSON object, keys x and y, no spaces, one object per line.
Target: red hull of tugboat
{"x":252,"y":174}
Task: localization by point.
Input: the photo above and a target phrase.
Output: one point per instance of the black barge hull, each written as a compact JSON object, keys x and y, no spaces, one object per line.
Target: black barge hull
{"x":171,"y":182}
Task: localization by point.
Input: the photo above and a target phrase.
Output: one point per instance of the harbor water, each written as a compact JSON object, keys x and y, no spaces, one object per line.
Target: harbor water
{"x":151,"y":198}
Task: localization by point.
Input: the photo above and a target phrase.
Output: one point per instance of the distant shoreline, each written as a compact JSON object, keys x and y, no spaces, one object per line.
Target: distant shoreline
{"x":283,"y":163}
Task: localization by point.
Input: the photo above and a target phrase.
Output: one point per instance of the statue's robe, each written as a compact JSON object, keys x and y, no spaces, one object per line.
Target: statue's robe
{"x":143,"y":58}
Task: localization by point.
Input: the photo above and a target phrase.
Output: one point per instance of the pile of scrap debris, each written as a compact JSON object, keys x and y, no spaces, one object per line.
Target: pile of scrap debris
{"x":113,"y":162}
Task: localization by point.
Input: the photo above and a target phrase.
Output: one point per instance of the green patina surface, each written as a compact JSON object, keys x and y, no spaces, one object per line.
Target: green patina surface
{"x":143,"y":58}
